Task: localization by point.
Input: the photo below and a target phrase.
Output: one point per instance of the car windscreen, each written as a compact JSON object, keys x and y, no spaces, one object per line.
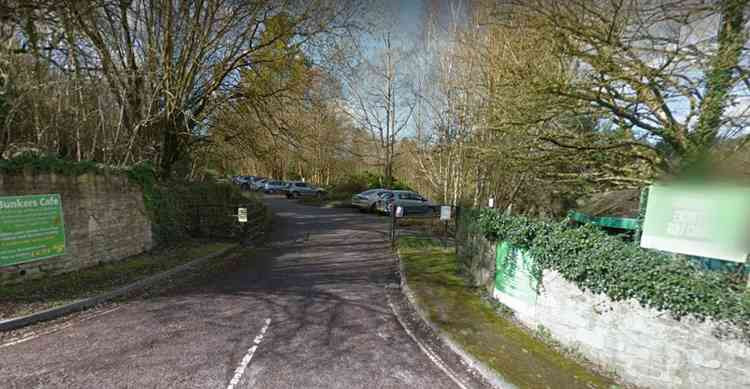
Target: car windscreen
{"x":301,"y":185}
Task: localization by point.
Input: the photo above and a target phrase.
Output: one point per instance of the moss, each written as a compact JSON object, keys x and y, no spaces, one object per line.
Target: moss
{"x":458,"y":309}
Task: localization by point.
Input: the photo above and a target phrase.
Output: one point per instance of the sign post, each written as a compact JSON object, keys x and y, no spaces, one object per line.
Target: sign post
{"x":31,"y":228}
{"x":445,"y":216}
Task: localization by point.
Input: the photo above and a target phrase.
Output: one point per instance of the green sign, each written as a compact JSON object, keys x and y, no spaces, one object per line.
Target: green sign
{"x":622,"y":223}
{"x":31,"y":228}
{"x":514,"y":274}
{"x":712,"y":222}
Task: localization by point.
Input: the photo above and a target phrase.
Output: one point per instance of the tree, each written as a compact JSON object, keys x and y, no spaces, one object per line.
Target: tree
{"x":670,"y":76}
{"x":286,"y":118}
{"x":167,"y":65}
{"x":380,"y":96}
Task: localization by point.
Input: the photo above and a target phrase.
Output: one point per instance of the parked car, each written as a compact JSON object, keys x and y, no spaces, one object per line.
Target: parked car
{"x":258,"y":183}
{"x":272,"y":187}
{"x":244,"y":182}
{"x":366,"y":201}
{"x":297,"y":189}
{"x":412,"y":203}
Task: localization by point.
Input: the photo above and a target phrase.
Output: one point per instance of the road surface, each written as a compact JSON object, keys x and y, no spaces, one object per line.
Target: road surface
{"x":307,"y":311}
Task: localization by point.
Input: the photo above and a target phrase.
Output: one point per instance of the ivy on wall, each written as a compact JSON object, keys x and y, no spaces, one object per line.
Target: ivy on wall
{"x":601,"y":263}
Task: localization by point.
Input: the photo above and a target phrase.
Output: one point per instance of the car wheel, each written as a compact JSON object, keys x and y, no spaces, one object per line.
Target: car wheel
{"x":373,"y":209}
{"x":245,"y":187}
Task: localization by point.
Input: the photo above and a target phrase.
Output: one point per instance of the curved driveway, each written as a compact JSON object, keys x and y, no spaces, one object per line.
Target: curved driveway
{"x":318,"y":288}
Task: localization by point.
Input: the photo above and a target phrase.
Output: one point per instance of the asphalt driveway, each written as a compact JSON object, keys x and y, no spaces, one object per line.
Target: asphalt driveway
{"x":307,"y":311}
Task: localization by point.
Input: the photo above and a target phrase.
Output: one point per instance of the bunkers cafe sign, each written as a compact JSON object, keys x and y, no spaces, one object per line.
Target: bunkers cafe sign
{"x":705,"y":221}
{"x":31,"y":228}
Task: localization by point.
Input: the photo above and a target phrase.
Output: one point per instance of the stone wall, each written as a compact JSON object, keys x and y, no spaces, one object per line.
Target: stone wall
{"x":645,"y":347}
{"x":477,"y":256}
{"x":104,"y":215}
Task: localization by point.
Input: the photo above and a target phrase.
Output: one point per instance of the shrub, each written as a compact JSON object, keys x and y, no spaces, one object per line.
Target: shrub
{"x":351,"y":185}
{"x":48,"y":164}
{"x":601,"y":263}
{"x":181,"y":209}
{"x":361,"y":182}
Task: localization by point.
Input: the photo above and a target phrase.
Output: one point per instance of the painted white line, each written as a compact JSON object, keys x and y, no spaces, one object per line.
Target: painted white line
{"x":425,"y":349}
{"x":54,"y":329}
{"x":248,"y":356}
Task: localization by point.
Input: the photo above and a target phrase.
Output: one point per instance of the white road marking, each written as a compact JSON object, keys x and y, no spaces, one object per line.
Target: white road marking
{"x":248,"y":356}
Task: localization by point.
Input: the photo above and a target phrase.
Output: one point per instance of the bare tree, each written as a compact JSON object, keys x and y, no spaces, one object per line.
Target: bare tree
{"x":165,"y":65}
{"x":382,"y":100}
{"x":671,"y":74}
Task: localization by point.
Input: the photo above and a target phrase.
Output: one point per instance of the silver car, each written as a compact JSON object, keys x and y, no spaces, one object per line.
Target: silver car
{"x":297,"y":189}
{"x":412,"y":203}
{"x":258,"y":183}
{"x":366,"y":201}
{"x":271,"y":187}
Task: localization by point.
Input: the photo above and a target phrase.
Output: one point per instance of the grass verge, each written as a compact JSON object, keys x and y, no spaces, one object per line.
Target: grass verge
{"x":459,"y":311}
{"x":37,"y":295}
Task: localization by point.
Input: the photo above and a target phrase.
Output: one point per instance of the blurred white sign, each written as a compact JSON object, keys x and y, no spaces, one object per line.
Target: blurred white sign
{"x":706,"y":221}
{"x":399,"y":211}
{"x":445,"y":212}
{"x":242,"y":215}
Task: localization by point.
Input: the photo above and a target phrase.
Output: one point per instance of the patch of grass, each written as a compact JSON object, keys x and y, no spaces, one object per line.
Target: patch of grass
{"x":40,"y":294}
{"x":458,"y":309}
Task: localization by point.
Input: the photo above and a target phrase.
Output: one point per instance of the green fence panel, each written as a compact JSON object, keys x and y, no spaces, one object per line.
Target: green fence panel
{"x":606,"y":221}
{"x":514,"y":274}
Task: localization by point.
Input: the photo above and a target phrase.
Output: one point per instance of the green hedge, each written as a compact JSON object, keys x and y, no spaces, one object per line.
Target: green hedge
{"x":47,"y":164}
{"x":181,"y":210}
{"x":601,"y":263}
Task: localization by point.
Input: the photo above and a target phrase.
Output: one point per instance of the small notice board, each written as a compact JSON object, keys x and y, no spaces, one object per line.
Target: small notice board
{"x":445,"y":212}
{"x":31,"y":228}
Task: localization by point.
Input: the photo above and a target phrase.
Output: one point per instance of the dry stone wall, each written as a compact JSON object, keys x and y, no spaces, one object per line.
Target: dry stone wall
{"x":644,"y":346}
{"x":105,"y":220}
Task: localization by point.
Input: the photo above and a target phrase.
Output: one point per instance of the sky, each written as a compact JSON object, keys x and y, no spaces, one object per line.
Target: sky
{"x":410,"y":14}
